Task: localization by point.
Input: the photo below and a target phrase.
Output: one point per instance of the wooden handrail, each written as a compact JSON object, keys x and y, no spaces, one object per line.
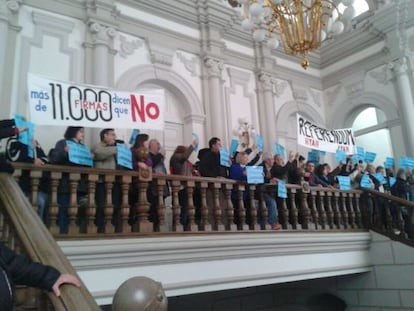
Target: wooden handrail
{"x":38,"y":244}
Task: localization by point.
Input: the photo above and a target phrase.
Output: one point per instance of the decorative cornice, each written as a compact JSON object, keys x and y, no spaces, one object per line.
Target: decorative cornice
{"x":190,"y":64}
{"x":127,"y":48}
{"x":101,"y":34}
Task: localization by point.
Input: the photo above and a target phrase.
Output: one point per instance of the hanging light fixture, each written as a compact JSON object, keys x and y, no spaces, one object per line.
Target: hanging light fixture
{"x":301,"y":24}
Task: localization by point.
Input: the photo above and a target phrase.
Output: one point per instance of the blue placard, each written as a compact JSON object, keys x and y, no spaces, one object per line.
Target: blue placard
{"x":79,"y":154}
{"x":224,"y":157}
{"x":340,"y":156}
{"x":365,"y":181}
{"x":392,"y":181}
{"x":322,"y":153}
{"x":380,"y":178}
{"x":355,"y":159}
{"x":344,"y":182}
{"x":124,"y":156}
{"x":255,"y":174}
{"x":313,"y":157}
{"x":281,"y":189}
{"x":279,"y":149}
{"x":233,"y":146}
{"x":134,"y":134}
{"x":25,"y":137}
{"x":370,"y":156}
{"x":389,"y":162}
{"x":259,"y":143}
{"x":195,"y":137}
{"x":403,"y":162}
{"x":361,"y":153}
{"x":409,"y":162}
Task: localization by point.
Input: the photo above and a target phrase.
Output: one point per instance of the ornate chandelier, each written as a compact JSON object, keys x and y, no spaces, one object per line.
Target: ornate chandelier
{"x":301,"y":24}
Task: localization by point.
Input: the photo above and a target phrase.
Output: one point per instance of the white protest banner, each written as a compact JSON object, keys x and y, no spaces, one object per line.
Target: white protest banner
{"x":313,"y":136}
{"x":54,"y":102}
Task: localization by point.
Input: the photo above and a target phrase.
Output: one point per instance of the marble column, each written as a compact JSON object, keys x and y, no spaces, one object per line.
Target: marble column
{"x":401,"y":71}
{"x":215,"y":100}
{"x":267,"y":118}
{"x":8,"y":16}
{"x":98,"y":60}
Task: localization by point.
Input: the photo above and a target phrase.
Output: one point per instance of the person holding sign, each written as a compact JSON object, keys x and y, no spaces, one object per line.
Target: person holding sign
{"x":238,"y":172}
{"x":180,"y":165}
{"x":60,"y":155}
{"x":106,"y":158}
{"x":270,"y":202}
{"x":8,"y":129}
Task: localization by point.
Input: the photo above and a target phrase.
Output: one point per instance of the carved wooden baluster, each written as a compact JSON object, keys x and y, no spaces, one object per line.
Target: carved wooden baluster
{"x":304,"y":210}
{"x":142,"y":206}
{"x":176,"y":209}
{"x":253,"y":209}
{"x":204,"y":222}
{"x":1,"y":226}
{"x":264,"y":212}
{"x":230,"y":225}
{"x":109,"y":206}
{"x":53,"y":207}
{"x":91,"y":212}
{"x":388,"y":216}
{"x":161,"y":184}
{"x":17,"y":174}
{"x":35,"y":176}
{"x":343,"y":210}
{"x":329,"y":210}
{"x":241,"y":211}
{"x":358,"y":218}
{"x":125,"y":208}
{"x":218,"y":224}
{"x":351,"y":213}
{"x":337,"y":215}
{"x":293,"y":210}
{"x":322,"y":209}
{"x":400,"y":221}
{"x":73,"y":203}
{"x":191,"y":224}
{"x":313,"y":209}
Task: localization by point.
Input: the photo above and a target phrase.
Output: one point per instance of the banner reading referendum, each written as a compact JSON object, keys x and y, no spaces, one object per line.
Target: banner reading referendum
{"x":54,"y":102}
{"x":313,"y":136}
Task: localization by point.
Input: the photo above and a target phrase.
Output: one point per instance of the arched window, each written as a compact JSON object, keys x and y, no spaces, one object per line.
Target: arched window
{"x":371,"y":132}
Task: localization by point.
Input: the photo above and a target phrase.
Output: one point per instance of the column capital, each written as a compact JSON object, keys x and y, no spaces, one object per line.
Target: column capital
{"x":214,"y":67}
{"x":399,"y":67}
{"x":8,"y":8}
{"x":101,"y":34}
{"x":266,"y":81}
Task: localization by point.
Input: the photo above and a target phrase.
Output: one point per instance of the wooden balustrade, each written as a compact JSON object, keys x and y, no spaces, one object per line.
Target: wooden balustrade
{"x":202,"y":204}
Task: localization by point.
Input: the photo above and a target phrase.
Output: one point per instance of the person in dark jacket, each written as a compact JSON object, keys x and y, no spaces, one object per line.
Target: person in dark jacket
{"x":8,"y":129}
{"x":401,"y":189}
{"x":19,"y":270}
{"x":60,"y":156}
{"x":210,"y":160}
{"x":19,"y":152}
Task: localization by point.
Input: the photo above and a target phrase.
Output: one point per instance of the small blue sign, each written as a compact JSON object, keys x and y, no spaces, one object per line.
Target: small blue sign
{"x":344,"y":182}
{"x":134,"y":134}
{"x":233,"y":146}
{"x":389,"y":162}
{"x":224,"y":157}
{"x":410,"y":162}
{"x":340,"y":156}
{"x":361,"y":153}
{"x":365,"y":181}
{"x":380,"y":178}
{"x":313,"y":157}
{"x":25,"y":137}
{"x":79,"y":154}
{"x":370,"y":157}
{"x":281,"y":189}
{"x":255,"y":174}
{"x":355,"y":159}
{"x":392,"y":181}
{"x":259,"y":143}
{"x":195,"y":137}
{"x":124,"y":156}
{"x":279,"y":149}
